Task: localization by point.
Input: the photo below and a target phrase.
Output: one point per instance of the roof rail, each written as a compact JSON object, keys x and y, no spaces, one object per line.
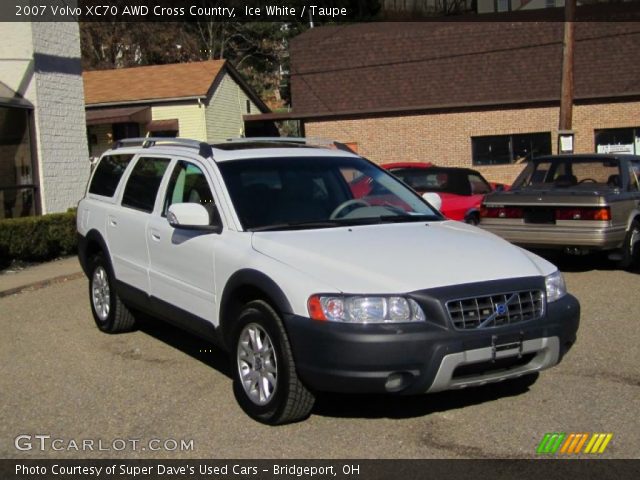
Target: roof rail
{"x":311,"y":141}
{"x":204,"y":149}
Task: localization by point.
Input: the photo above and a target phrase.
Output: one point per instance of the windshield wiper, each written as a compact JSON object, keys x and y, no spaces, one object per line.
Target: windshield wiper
{"x":406,"y":218}
{"x":299,"y":225}
{"x":345,"y":222}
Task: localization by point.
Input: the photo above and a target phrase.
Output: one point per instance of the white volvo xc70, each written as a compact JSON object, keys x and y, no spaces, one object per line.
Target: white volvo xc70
{"x":317,"y":271}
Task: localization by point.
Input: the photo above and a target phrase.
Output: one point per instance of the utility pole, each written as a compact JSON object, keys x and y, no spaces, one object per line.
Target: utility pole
{"x":565,"y":134}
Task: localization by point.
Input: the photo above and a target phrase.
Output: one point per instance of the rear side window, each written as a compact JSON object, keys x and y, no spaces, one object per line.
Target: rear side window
{"x":108,"y":174}
{"x":143,"y":183}
{"x":478,"y":185}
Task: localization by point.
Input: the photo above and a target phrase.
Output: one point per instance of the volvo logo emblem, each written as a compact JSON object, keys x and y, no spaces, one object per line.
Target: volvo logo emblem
{"x":501,"y":308}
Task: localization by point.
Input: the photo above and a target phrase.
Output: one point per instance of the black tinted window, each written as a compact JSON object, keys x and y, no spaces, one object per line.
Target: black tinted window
{"x":108,"y":174}
{"x":505,"y":149}
{"x":144,"y":182}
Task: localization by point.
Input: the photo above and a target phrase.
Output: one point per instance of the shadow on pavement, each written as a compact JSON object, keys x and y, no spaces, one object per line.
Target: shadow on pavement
{"x":578,"y":263}
{"x":197,"y":348}
{"x":398,"y":407}
{"x":343,"y":405}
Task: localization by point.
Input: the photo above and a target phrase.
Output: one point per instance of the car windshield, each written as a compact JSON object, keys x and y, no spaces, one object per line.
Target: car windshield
{"x":577,"y":173}
{"x":318,"y":192}
{"x":442,"y":180}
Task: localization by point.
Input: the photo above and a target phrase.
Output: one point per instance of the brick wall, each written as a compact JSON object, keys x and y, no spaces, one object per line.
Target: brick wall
{"x":445,"y":138}
{"x":59,"y":115}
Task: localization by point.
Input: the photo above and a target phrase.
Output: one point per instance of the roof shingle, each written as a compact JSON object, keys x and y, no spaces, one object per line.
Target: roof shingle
{"x":386,"y":67}
{"x":154,"y":82}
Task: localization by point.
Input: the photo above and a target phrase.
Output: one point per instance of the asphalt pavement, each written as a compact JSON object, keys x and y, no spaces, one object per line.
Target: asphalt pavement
{"x":61,"y":377}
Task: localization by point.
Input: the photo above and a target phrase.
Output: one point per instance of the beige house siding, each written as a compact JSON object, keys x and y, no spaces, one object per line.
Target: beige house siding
{"x":225,"y":110}
{"x":445,"y":138}
{"x":190,"y":116}
{"x":102,"y":134}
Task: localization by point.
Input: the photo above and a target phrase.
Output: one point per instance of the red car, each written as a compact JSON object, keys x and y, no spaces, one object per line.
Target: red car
{"x":461,"y":189}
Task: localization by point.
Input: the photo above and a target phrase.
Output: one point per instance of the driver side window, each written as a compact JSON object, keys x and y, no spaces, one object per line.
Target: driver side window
{"x":188,"y":184}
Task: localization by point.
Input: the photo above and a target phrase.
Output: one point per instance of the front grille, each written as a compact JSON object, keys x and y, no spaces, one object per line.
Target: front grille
{"x":496,"y":310}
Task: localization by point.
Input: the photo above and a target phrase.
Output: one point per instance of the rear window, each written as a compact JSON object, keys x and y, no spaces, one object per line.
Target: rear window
{"x":108,"y":173}
{"x":571,"y":173}
{"x":143,"y":183}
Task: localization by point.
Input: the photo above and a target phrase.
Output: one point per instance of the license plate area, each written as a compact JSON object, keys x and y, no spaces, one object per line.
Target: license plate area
{"x":540,"y":215}
{"x":502,"y":345}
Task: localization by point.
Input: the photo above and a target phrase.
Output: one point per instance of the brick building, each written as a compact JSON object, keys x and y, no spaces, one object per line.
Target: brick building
{"x":44,"y":161}
{"x":482,"y":95}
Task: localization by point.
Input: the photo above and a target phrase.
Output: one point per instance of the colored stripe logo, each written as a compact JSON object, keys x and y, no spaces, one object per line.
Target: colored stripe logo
{"x":573,"y":443}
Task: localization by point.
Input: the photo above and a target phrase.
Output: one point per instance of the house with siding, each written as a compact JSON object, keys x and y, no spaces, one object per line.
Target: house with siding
{"x":483,"y":95}
{"x":201,"y":100}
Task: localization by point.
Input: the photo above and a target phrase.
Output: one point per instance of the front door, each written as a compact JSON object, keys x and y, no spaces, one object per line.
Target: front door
{"x":182,"y":261}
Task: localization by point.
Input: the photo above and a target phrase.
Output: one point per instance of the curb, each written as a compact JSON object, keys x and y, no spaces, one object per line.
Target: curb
{"x":41,"y":284}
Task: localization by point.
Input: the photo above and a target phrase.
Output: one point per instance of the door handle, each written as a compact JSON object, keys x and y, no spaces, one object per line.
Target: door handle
{"x":155,"y":235}
{"x":113,"y":221}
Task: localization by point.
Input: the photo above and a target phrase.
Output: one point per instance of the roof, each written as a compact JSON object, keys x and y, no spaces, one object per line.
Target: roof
{"x":11,"y":98}
{"x":155,"y":82}
{"x":149,"y":84}
{"x":114,"y":115}
{"x":393,"y":67}
{"x":235,"y":149}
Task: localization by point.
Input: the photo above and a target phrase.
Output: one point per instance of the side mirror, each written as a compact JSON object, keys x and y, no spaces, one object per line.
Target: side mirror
{"x":433,"y":199}
{"x":190,"y":216}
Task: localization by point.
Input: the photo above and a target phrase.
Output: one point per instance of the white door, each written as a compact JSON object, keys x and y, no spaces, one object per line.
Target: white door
{"x":127,"y":224}
{"x":182,"y":261}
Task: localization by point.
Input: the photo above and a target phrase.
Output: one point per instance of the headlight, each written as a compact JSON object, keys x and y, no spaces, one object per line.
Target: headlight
{"x":363,"y":309}
{"x":556,"y":288}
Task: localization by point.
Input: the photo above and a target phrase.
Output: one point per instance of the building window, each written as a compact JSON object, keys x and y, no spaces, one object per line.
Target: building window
{"x":18,"y":180}
{"x":502,"y":5}
{"x":618,"y":140}
{"x":506,"y":149}
{"x":248,"y":104}
{"x":125,"y":130}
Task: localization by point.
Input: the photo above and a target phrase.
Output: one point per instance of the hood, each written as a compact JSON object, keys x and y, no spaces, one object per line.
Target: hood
{"x":398,"y":258}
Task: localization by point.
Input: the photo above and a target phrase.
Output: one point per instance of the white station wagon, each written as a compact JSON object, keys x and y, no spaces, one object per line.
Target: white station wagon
{"x":316,"y":269}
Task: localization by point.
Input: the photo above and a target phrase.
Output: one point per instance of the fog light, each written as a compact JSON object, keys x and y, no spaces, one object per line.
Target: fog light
{"x":398,"y":381}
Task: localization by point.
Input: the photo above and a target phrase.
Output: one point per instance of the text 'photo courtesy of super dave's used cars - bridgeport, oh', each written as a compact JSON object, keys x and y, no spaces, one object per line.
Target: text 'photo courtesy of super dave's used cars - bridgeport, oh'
{"x":270,"y":248}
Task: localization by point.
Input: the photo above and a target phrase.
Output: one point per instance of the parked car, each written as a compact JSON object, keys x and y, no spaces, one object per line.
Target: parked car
{"x":268,"y":249}
{"x":579,"y":203}
{"x":461,"y":189}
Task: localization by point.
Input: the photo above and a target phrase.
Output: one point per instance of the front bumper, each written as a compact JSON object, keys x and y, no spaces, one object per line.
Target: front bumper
{"x":418,"y":358}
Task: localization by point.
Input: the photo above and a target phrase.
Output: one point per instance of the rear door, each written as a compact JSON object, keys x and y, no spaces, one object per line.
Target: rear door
{"x":127,"y":223}
{"x":181,"y":260}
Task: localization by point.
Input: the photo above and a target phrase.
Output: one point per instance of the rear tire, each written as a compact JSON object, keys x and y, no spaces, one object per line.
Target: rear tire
{"x":109,"y":312}
{"x":266,"y":384}
{"x":630,"y":255}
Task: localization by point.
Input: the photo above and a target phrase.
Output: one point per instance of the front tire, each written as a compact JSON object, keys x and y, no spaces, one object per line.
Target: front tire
{"x":266,"y":384}
{"x":631,"y":255}
{"x":109,"y":312}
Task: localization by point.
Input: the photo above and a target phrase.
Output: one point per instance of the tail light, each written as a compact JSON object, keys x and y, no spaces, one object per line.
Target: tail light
{"x":501,"y":212}
{"x":583,"y":213}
